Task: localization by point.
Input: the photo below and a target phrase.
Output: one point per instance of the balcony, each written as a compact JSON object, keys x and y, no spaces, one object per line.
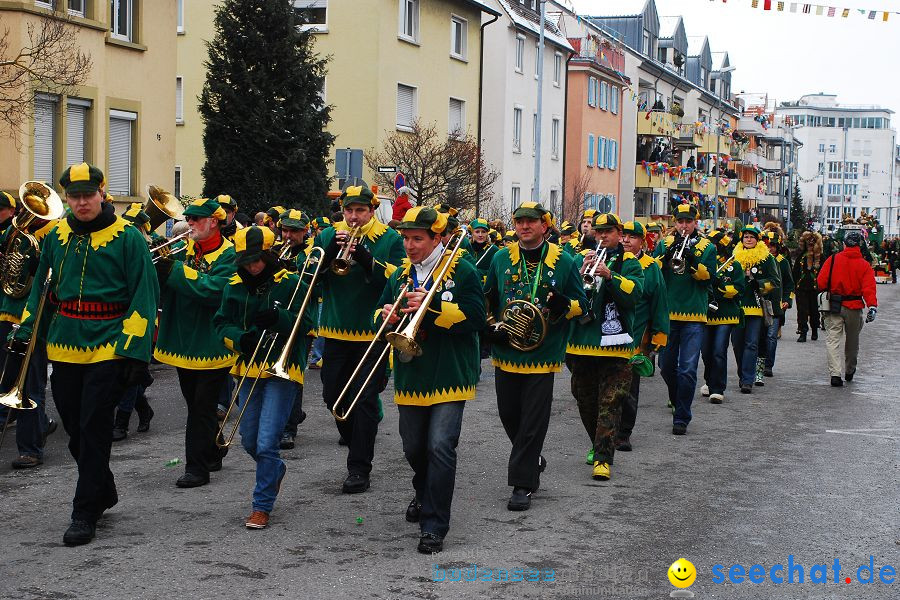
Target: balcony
{"x":598,"y":50}
{"x":687,"y":136}
{"x":643,"y":180}
{"x":737,"y":150}
{"x":712,"y":143}
{"x":657,"y":123}
{"x":750,"y":192}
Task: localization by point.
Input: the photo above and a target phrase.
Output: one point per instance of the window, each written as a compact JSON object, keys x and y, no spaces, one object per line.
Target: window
{"x":554,"y":202}
{"x":177,"y":191}
{"x":44,"y":137}
{"x":554,"y":139}
{"x":44,"y":4}
{"x":120,"y":152}
{"x":76,"y":7}
{"x":314,"y":14}
{"x":850,"y":189}
{"x":537,"y":60}
{"x":601,"y":148}
{"x":646,"y":47}
{"x":515,"y":197}
{"x":822,"y":148}
{"x":590,"y":150}
{"x":120,"y":19}
{"x":852,"y":170}
{"x":865,"y":170}
{"x":834,"y":212}
{"x":409,"y":20}
{"x":819,"y":191}
{"x":179,"y":99}
{"x":520,"y":53}
{"x":534,"y":133}
{"x":703,"y":77}
{"x":604,"y":87}
{"x":834,"y":189}
{"x":661,"y":55}
{"x":592,"y":92}
{"x":821,"y":168}
{"x":76,"y":127}
{"x":458,"y":36}
{"x":557,"y":69}
{"x":832,"y":148}
{"x":406,"y":107}
{"x":614,"y":99}
{"x":517,"y":129}
{"x":179,"y":17}
{"x":456,"y":125}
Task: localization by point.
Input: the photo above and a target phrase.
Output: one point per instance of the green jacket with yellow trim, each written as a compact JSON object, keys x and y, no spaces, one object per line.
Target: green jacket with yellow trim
{"x":762,"y":277}
{"x":450,"y":363}
{"x":728,"y":288}
{"x":787,"y":284}
{"x":689,"y":291}
{"x":652,"y":311}
{"x":191,"y":296}
{"x":11,"y":308}
{"x":348,"y":300}
{"x":624,"y":288}
{"x":236,"y":314}
{"x":110,"y":266}
{"x":508,"y":280}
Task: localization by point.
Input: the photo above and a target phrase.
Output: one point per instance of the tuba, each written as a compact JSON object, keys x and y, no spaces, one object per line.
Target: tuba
{"x":161,"y":206}
{"x":39,"y":202}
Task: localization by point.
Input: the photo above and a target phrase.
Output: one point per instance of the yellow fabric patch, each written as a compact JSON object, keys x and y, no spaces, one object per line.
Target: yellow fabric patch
{"x":135,"y":325}
{"x":189,"y":273}
{"x":574,"y":310}
{"x":235,"y":279}
{"x":701,"y":274}
{"x":25,"y":315}
{"x":8,"y":318}
{"x":230,"y":344}
{"x":646,"y":260}
{"x":449,"y":316}
{"x":80,"y":172}
{"x":188,"y":362}
{"x":527,"y":368}
{"x":437,"y":397}
{"x":81,"y":356}
{"x":625,"y":284}
{"x":767,"y":287}
{"x":659,"y":338}
{"x":674,"y":316}
{"x":730,"y":291}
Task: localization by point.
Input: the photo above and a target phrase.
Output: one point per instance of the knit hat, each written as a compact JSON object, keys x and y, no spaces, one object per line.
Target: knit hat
{"x":496,"y":236}
{"x":452,"y":219}
{"x":293,"y":219}
{"x":7,"y":200}
{"x":82,"y":179}
{"x":424,"y":217}
{"x":607,"y":221}
{"x":588,"y":214}
{"x":136,"y":215}
{"x":751,"y":229}
{"x":686,"y":211}
{"x":510,"y":236}
{"x":634,"y":228}
{"x":653,"y":227}
{"x":532,"y":210}
{"x":568,"y":229}
{"x":852,"y":238}
{"x":205,"y":207}
{"x":358,"y":194}
{"x":227,"y":202}
{"x":250,"y":243}
{"x":478,"y":224}
{"x":320,"y":223}
{"x":273,"y":214}
{"x":721,"y":238}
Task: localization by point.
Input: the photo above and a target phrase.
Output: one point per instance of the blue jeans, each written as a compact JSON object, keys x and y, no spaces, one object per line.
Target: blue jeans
{"x":430,"y":435}
{"x":318,"y":345}
{"x":129,"y":398}
{"x":772,"y":343}
{"x":715,"y":357}
{"x":261,"y":428}
{"x":745,"y":341}
{"x":679,"y":366}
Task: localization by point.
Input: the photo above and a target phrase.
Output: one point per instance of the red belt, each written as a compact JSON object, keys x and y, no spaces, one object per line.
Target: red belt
{"x":90,"y":310}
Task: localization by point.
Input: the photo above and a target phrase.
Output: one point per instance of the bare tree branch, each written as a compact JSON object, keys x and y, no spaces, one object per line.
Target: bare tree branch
{"x":573,"y":204}
{"x":50,"y":62}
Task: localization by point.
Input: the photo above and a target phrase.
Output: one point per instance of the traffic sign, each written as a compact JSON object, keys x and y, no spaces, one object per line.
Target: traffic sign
{"x":390,"y":169}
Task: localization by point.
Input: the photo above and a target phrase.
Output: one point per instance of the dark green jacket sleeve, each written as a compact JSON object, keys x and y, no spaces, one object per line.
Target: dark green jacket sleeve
{"x":205,"y":288}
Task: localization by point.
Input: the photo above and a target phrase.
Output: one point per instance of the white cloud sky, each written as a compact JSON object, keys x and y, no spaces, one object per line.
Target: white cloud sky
{"x":788,"y":55}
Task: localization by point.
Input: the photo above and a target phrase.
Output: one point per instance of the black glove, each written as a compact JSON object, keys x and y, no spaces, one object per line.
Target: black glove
{"x":136,"y":372}
{"x":496,"y":336}
{"x":248,"y":343}
{"x":265,"y":319}
{"x":870,"y":316}
{"x":164,"y":269}
{"x":557,"y":304}
{"x":363,"y":257}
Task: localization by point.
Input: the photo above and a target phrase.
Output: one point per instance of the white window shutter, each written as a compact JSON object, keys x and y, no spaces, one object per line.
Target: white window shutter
{"x":456,"y":116}
{"x":75,"y":121}
{"x":406,"y":105}
{"x":179,"y":100}
{"x":119,"y":176}
{"x":44,"y":125}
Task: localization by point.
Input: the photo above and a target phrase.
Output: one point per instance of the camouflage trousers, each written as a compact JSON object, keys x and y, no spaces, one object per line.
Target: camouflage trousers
{"x":601,"y":386}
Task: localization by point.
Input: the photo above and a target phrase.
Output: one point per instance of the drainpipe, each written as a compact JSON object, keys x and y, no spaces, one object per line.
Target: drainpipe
{"x":480,"y":104}
{"x":562,"y":212}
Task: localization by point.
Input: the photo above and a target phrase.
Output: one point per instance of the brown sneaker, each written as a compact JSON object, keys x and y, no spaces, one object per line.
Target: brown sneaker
{"x":26,"y":462}
{"x":257,"y":520}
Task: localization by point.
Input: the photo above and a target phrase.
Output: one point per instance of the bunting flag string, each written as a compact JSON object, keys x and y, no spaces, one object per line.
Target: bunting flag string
{"x":821,"y":10}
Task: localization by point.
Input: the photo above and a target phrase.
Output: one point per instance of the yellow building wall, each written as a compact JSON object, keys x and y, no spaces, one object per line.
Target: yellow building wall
{"x":136,"y":76}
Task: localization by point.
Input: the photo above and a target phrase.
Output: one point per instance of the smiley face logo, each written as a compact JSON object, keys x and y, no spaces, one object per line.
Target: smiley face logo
{"x":682,"y":573}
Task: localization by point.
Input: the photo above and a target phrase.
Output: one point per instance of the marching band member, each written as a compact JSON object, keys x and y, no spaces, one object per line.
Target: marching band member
{"x":540,"y":273}
{"x":318,"y":346}
{"x":270,"y":220}
{"x":230,"y":206}
{"x":586,"y":238}
{"x":600,"y":346}
{"x":105,"y":292}
{"x":567,"y":231}
{"x":762,"y":277}
{"x":723,"y":315}
{"x":8,"y":207}
{"x":257,"y":301}
{"x":346,"y":323}
{"x":651,"y":324}
{"x":689,"y":261}
{"x":483,"y":250}
{"x":193,"y":280}
{"x":775,"y":242}
{"x":430,"y":390}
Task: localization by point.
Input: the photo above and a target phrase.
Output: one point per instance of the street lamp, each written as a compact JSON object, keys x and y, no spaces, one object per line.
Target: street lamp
{"x":718,"y":147}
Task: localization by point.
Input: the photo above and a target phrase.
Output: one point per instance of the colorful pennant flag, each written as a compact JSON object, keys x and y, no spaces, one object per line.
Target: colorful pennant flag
{"x":780,"y":6}
{"x":872,"y":14}
{"x":767,"y":5}
{"x":831,"y":10}
{"x":793,"y":7}
{"x":819,"y":9}
{"x":846,"y":13}
{"x":806,"y":9}
{"x":885,"y":16}
{"x":755,"y":3}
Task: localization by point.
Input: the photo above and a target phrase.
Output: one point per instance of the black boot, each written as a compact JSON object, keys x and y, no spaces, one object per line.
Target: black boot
{"x":145,"y":413}
{"x":802,"y":337}
{"x":815,"y":334}
{"x":120,"y":426}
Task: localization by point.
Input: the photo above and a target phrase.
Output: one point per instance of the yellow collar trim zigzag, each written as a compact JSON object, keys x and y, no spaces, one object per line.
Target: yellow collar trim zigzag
{"x":437,"y":397}
{"x":750,"y":257}
{"x":373,"y":230}
{"x":456,"y":257}
{"x":646,"y":260}
{"x":723,"y":321}
{"x":98,"y":238}
{"x":553,"y":254}
{"x":212,"y":256}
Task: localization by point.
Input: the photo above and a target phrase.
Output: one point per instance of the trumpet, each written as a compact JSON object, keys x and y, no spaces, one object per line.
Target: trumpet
{"x":343,"y":261}
{"x":279,"y":369}
{"x":677,"y":262}
{"x":164,"y":249}
{"x":403,"y":341}
{"x":589,"y":275}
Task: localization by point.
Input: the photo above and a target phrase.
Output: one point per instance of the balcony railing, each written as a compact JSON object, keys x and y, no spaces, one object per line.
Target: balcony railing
{"x":657,"y":123}
{"x":599,"y":51}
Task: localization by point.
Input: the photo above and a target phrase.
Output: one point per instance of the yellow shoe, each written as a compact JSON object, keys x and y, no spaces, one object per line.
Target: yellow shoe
{"x":601,"y":471}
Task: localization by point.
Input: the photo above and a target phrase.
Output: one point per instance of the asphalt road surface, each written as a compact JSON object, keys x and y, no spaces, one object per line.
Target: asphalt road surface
{"x":798,"y":473}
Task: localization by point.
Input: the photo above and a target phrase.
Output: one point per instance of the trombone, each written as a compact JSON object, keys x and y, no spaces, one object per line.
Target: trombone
{"x":342,"y":262}
{"x":15,"y":397}
{"x":403,"y":339}
{"x":279,"y":369}
{"x":677,"y":262}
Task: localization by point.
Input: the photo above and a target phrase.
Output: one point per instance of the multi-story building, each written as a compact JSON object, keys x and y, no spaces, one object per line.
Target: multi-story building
{"x":593,"y":118}
{"x":850,"y":148}
{"x":510,"y":119}
{"x":115,"y":118}
{"x":392,"y":62}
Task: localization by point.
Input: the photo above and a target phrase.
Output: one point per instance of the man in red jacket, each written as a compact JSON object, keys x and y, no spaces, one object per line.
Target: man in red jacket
{"x":850,"y":276}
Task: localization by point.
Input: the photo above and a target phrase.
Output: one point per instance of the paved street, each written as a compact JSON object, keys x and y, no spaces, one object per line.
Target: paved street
{"x":798,"y":468}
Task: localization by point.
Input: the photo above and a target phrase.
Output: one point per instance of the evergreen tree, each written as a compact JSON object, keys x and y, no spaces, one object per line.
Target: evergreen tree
{"x":799,"y":218}
{"x":264,"y":136}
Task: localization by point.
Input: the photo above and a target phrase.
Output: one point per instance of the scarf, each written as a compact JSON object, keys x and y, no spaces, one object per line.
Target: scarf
{"x":106,"y":218}
{"x":423,"y":268}
{"x":611,"y":328}
{"x":750,"y":257}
